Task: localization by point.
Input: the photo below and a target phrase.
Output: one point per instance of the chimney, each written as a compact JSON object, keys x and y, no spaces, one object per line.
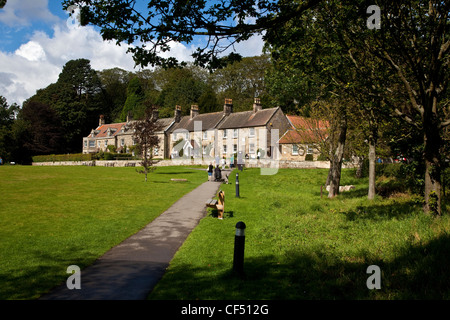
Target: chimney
{"x":155,"y":113}
{"x":177,"y":113}
{"x":228,"y":106}
{"x":257,"y":105}
{"x":101,"y":121}
{"x":129,"y":116}
{"x":194,"y":111}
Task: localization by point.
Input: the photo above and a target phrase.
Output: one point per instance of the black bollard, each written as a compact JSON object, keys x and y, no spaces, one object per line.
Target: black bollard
{"x":237,"y":185}
{"x":239,"y":246}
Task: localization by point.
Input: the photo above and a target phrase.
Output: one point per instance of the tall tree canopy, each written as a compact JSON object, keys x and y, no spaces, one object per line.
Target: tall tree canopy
{"x":153,"y":26}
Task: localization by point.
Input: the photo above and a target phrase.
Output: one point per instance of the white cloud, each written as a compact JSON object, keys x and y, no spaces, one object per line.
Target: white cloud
{"x":32,"y":51}
{"x":18,"y":13}
{"x":37,"y":63}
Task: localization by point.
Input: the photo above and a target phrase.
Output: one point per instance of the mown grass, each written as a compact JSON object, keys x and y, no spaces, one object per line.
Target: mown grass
{"x":301,"y":246}
{"x":53,"y":217}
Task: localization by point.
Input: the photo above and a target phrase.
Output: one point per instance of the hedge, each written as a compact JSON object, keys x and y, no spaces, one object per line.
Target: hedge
{"x":63,"y":157}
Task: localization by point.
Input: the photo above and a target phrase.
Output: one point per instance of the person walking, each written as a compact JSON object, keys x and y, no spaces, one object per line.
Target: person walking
{"x":210,"y":171}
{"x":217,"y":174}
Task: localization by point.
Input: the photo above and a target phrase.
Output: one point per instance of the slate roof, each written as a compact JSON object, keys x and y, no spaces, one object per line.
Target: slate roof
{"x":219,"y":120}
{"x":247,"y":119}
{"x":209,"y":121}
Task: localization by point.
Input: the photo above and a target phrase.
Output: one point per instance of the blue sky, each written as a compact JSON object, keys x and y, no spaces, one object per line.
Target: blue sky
{"x":37,"y":39}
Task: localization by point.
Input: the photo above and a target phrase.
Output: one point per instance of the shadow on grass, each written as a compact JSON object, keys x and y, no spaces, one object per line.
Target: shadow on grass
{"x":420,"y":272}
{"x":383,"y":211}
{"x":30,"y":282}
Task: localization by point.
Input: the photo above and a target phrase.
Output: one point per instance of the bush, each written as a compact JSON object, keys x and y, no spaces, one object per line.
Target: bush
{"x":62,"y":157}
{"x":387,"y":186}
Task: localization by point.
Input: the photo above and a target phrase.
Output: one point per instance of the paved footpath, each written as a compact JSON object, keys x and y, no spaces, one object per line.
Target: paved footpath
{"x":130,"y":270}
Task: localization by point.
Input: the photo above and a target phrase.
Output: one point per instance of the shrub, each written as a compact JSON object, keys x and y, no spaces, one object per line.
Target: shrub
{"x":387,"y":186}
{"x":62,"y":157}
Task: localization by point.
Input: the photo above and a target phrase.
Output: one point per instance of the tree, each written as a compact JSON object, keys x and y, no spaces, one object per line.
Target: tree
{"x":134,"y":102}
{"x":114,"y":83}
{"x":43,"y":128}
{"x":78,"y":99}
{"x":153,"y":27}
{"x":7,"y":117}
{"x":402,"y":65}
{"x":146,"y":139}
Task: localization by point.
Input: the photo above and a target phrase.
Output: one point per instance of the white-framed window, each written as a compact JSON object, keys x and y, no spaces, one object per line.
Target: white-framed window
{"x":309,"y":149}
{"x":252,"y":132}
{"x":85,"y":143}
{"x":122,"y":142}
{"x":91,"y":143}
{"x":235,"y":133}
{"x":155,"y":151}
{"x":295,"y":150}
{"x":251,"y":148}
{"x":235,"y":148}
{"x":224,"y":148}
{"x":205,"y":135}
{"x":225,"y":133}
{"x":106,"y":143}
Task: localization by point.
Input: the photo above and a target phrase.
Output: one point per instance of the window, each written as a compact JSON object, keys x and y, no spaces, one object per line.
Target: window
{"x":204,"y":149}
{"x":85,"y":143}
{"x":234,"y":148}
{"x":224,"y":149}
{"x":155,"y":151}
{"x":235,"y":133}
{"x":205,"y":134}
{"x":91,"y":143}
{"x":295,"y":150}
{"x":225,"y":133}
{"x":186,"y":136}
{"x":106,"y":143}
{"x":310,"y":149}
{"x":252,"y":132}
{"x":122,"y":142}
{"x":251,"y":148}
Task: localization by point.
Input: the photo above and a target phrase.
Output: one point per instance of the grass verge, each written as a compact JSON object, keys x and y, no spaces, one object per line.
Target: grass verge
{"x":301,"y":246}
{"x":53,"y":217}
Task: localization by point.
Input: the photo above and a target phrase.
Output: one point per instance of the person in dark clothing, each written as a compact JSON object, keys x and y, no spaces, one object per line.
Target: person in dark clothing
{"x":210,"y":171}
{"x":217,"y":174}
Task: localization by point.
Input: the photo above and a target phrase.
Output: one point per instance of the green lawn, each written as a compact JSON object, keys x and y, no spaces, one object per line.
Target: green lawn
{"x":53,"y":217}
{"x":299,"y":246}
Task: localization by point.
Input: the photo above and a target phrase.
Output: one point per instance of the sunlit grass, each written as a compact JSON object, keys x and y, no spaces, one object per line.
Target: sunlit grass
{"x":52,"y":217}
{"x":302,"y":246}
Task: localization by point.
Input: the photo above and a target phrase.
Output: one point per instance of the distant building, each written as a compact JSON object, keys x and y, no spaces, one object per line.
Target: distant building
{"x":256,"y":133}
{"x":304,"y":137}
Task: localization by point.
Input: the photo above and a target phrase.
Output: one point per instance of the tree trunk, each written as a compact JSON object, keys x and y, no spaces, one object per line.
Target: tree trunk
{"x":359,"y":171}
{"x":334,"y":175}
{"x":432,"y":195}
{"x":372,"y":162}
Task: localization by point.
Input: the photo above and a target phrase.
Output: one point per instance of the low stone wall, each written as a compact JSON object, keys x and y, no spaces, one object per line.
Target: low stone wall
{"x":98,"y":163}
{"x":249,"y":163}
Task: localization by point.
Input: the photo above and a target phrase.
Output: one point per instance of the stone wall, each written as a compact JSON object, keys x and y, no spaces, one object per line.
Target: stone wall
{"x":249,"y":163}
